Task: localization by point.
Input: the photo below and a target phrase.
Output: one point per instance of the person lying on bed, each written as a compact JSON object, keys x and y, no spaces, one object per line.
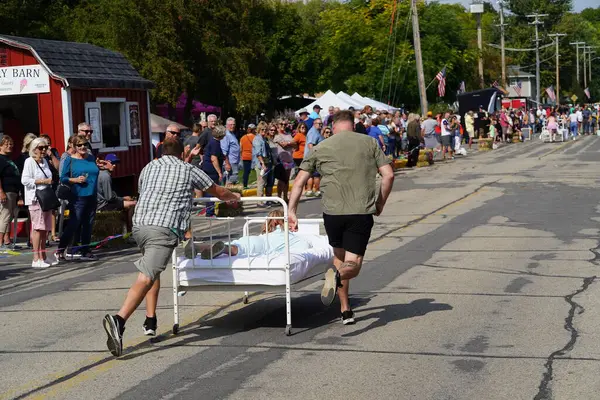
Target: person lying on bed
{"x":253,"y":245}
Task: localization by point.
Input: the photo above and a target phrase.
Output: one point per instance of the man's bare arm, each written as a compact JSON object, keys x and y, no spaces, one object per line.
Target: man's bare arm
{"x":222,"y":193}
{"x":299,"y":183}
{"x":387,"y":181}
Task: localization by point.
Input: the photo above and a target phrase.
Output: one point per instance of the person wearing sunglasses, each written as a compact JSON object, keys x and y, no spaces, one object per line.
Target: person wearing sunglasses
{"x":81,"y":173}
{"x":172,"y":132}
{"x":86,"y":130}
{"x":38,"y":176}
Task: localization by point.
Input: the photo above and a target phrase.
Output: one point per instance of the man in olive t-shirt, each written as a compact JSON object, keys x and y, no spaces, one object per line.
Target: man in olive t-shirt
{"x":348,"y":163}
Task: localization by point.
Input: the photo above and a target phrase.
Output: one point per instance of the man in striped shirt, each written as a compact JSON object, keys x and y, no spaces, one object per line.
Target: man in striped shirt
{"x":161,"y":218}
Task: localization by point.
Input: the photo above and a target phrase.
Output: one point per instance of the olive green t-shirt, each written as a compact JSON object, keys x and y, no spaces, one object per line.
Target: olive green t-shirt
{"x":348,"y":163}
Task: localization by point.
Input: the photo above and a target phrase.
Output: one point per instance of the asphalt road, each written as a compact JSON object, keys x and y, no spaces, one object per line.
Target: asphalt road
{"x":479,"y":283}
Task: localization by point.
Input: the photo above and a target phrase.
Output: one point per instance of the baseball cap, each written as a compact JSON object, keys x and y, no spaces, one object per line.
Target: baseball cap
{"x":251,"y":126}
{"x":317,"y":106}
{"x":429,"y":114}
{"x":112,"y":157}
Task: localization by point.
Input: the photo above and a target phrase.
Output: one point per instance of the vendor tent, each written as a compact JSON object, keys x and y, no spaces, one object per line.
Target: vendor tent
{"x":373,"y":103}
{"x":328,"y":99}
{"x":159,"y":124}
{"x":358,"y":105}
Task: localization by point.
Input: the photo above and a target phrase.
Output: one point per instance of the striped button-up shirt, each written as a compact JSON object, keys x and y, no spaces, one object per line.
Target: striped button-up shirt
{"x":166,"y":188}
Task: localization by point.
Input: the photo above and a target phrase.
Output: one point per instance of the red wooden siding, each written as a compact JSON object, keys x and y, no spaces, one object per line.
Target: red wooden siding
{"x":136,"y":157}
{"x":51,"y":115}
{"x":18,"y":57}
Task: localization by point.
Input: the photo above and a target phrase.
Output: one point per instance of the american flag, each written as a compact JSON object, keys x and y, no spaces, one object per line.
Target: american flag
{"x":462,"y":88}
{"x":587,"y":92}
{"x":495,"y":84}
{"x":551,"y":94}
{"x":518,"y":88}
{"x":441,"y":77}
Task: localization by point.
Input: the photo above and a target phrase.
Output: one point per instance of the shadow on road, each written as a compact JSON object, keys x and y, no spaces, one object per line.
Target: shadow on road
{"x":395,"y":312}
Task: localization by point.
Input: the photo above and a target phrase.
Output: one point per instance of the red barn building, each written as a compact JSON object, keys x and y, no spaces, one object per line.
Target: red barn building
{"x":49,"y":87}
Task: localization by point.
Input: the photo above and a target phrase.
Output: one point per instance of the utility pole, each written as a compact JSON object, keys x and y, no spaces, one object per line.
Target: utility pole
{"x":590,"y":62}
{"x":535,"y":23}
{"x":418,"y":57}
{"x":556,"y":36}
{"x":577,"y":57}
{"x":477,"y":9}
{"x":589,"y":58}
{"x":501,"y":4}
{"x":584,"y":68}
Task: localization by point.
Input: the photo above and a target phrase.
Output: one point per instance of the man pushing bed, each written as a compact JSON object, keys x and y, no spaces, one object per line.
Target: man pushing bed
{"x":162,"y":216}
{"x":348,"y":163}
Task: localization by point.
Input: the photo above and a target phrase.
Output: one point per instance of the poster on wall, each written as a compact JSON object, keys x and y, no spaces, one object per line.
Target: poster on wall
{"x":133,"y":123}
{"x":94,"y":121}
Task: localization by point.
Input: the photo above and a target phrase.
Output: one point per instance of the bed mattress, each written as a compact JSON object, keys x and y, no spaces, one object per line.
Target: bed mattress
{"x":262,"y":270}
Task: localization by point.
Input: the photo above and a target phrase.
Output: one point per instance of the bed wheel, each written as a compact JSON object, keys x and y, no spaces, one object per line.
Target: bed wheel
{"x":288,"y":330}
{"x":245,"y":299}
{"x":175,"y":329}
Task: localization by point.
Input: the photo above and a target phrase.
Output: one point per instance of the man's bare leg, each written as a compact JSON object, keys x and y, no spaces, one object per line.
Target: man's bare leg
{"x":152,"y":299}
{"x":348,"y":268}
{"x":136,"y":294}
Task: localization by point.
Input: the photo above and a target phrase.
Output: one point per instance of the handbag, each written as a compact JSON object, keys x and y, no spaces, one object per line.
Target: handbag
{"x":63,"y":192}
{"x":46,"y":196}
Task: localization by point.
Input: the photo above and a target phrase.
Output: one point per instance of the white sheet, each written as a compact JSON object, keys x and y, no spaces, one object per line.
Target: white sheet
{"x":302,"y":265}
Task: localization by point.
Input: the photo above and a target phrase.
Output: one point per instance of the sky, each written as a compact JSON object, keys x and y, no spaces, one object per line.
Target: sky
{"x":578,"y":5}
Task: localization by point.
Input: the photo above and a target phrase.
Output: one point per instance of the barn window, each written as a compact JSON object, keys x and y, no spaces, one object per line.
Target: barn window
{"x":111,"y":120}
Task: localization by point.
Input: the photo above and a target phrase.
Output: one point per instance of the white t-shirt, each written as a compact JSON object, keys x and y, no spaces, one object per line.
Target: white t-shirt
{"x":444,"y":127}
{"x":579,"y":116}
{"x":573,"y":117}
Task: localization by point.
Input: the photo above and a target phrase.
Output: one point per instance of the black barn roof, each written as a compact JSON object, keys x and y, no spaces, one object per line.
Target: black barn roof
{"x":81,"y":64}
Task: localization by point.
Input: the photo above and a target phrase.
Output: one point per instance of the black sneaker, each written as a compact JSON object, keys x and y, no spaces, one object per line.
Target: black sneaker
{"x":150,"y":326}
{"x":114,"y":330}
{"x":348,"y":317}
{"x":89,"y":256}
{"x":330,"y":287}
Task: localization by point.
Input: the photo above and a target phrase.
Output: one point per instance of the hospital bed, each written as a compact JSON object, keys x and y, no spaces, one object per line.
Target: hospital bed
{"x":274,"y":271}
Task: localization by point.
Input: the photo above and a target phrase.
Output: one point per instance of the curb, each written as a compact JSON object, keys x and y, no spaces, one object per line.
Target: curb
{"x":252,"y":192}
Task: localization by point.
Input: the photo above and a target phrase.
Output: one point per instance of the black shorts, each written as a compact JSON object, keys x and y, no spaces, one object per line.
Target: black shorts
{"x":298,"y":161}
{"x":349,"y":232}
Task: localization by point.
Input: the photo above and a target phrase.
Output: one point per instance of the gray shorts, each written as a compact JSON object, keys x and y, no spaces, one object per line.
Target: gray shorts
{"x":157,"y":245}
{"x":447,"y":140}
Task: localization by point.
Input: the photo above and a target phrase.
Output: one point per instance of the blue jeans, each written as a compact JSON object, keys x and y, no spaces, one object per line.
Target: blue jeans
{"x":573,"y":127}
{"x":391,"y":147}
{"x":82,"y":212}
{"x":232,"y":177}
{"x":247,"y":169}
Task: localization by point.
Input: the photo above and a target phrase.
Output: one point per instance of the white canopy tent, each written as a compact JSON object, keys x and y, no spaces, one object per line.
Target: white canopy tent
{"x":373,"y":103}
{"x":328,"y":99}
{"x":358,"y":105}
{"x":345,"y":101}
{"x":159,"y":125}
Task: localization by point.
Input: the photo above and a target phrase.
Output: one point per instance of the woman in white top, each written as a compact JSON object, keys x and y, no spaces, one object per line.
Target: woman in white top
{"x":37,"y":175}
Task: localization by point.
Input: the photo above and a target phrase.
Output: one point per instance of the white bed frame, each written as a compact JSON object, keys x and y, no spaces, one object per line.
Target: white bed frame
{"x":307,"y":224}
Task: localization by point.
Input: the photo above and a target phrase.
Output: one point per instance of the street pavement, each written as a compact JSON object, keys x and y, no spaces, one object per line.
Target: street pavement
{"x":479,"y":283}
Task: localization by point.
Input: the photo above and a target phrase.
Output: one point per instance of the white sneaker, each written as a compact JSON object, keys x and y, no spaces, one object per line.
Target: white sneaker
{"x":39,"y":264}
{"x":309,"y":193}
{"x":51,"y":261}
{"x":318,"y":193}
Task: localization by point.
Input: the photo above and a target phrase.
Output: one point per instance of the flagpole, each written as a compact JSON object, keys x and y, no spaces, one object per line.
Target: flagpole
{"x":433,"y":80}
